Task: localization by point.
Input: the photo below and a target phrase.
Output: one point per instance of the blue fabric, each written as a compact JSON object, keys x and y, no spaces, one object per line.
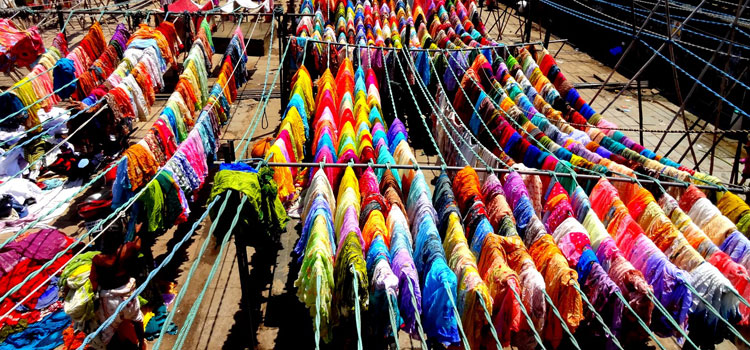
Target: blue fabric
{"x":43,"y":335}
{"x":143,"y":44}
{"x":11,"y":104}
{"x":63,"y":73}
{"x":299,"y":104}
{"x":319,"y":206}
{"x":439,"y":319}
{"x":587,"y":260}
{"x":237,"y":167}
{"x":736,"y":245}
{"x":475,"y":122}
{"x":385,"y":157}
{"x":121,"y":191}
{"x":480,"y":233}
{"x":531,"y":157}
{"x":49,"y":296}
{"x":423,"y":66}
{"x":169,"y":113}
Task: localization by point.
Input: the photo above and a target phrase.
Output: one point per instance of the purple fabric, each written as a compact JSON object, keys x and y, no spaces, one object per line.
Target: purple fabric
{"x":397,"y":127}
{"x":669,"y":283}
{"x":350,"y":224}
{"x":319,"y":206}
{"x":404,"y":269}
{"x":121,"y":35}
{"x":601,"y":290}
{"x":492,"y":188}
{"x":40,"y":245}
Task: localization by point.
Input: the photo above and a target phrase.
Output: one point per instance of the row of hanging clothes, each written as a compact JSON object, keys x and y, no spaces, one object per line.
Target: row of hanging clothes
{"x":126,"y":72}
{"x":161,"y":176}
{"x":182,"y":142}
{"x":690,"y":259}
{"x":41,"y":158}
{"x":594,"y":151}
{"x":693,"y":261}
{"x":454,"y":23}
{"x":364,"y":227}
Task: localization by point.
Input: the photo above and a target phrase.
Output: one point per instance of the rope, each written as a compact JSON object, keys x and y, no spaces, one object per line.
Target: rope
{"x":78,"y":240}
{"x":655,"y":301}
{"x":457,"y":315}
{"x":268,"y":97}
{"x":562,"y":322}
{"x":715,"y":312}
{"x":421,"y":115}
{"x":422,"y":337}
{"x":357,"y":316}
{"x":25,"y":108}
{"x":44,"y":132}
{"x":43,"y":157}
{"x":392,"y":318}
{"x":723,"y":24}
{"x":611,"y":26}
{"x":418,"y":79}
{"x":317,"y":312}
{"x":189,"y":277}
{"x":669,"y":317}
{"x":66,"y":201}
{"x":117,"y":212}
{"x":598,"y":317}
{"x":489,"y":320}
{"x":528,"y":318}
{"x":668,"y":131}
{"x":653,"y":34}
{"x":196,"y":304}
{"x":265,"y":79}
{"x":108,"y":322}
{"x":640,"y":321}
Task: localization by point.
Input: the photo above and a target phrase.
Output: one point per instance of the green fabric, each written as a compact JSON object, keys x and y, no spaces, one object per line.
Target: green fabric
{"x":207,"y":27}
{"x":179,"y":119}
{"x":8,"y":329}
{"x":154,"y":325}
{"x":567,"y":182}
{"x":264,"y":208}
{"x":172,"y":203}
{"x":79,"y":300}
{"x":510,"y":61}
{"x":73,"y":264}
{"x":153,"y":205}
{"x":350,"y":254}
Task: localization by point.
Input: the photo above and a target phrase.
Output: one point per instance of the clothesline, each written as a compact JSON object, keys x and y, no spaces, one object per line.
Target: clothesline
{"x":439,"y":116}
{"x":614,"y":27}
{"x":487,"y":170}
{"x":476,"y":48}
{"x":215,"y":11}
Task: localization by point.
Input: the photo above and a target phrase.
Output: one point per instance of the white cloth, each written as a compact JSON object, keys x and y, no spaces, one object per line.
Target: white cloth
{"x":21,"y":190}
{"x":11,"y":163}
{"x":57,"y":120}
{"x":109,"y":300}
{"x":231,"y":5}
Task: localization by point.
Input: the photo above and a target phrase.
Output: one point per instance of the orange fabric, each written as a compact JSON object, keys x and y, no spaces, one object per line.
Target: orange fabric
{"x":559,"y":278}
{"x":141,"y":166}
{"x":500,"y":278}
{"x":375,"y":226}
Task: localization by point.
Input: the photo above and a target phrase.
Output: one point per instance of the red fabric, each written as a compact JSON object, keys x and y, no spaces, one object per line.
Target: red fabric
{"x":180,"y":6}
{"x":18,"y":48}
{"x":23,"y":269}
